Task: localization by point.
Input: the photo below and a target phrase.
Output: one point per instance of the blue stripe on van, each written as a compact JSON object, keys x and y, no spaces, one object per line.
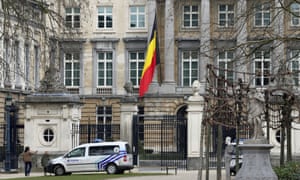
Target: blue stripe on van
{"x":111,"y":158}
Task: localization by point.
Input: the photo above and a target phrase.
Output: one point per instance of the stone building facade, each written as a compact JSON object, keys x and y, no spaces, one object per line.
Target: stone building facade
{"x":103,"y":46}
{"x":254,"y":39}
{"x":23,"y":53}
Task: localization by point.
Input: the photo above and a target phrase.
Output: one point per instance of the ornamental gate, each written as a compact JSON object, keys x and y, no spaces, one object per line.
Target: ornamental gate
{"x":160,"y":140}
{"x":15,"y":146}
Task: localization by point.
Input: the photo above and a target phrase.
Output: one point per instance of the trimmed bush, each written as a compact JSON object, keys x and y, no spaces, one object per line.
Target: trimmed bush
{"x":290,"y":171}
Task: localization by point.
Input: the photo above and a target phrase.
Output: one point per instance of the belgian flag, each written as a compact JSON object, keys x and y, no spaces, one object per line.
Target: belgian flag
{"x":151,"y":60}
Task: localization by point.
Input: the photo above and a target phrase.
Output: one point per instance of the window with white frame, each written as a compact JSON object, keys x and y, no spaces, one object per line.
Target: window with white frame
{"x":295,"y":14}
{"x":226,"y":15}
{"x":137,"y":17}
{"x":190,"y":16}
{"x":72,"y":17}
{"x":262,"y":68}
{"x":295,"y":66}
{"x":72,"y":69}
{"x":136,"y":63}
{"x":30,"y":12}
{"x":37,"y":15}
{"x":189,"y":67}
{"x":105,"y":17}
{"x":262,"y":16}
{"x":226,"y":65}
{"x":104,"y":122}
{"x":105,"y":69}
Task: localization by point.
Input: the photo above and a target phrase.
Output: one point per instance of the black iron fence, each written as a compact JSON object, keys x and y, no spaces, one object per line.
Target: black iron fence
{"x":94,"y":132}
{"x":16,"y":148}
{"x":160,"y":140}
{"x":244,"y":133}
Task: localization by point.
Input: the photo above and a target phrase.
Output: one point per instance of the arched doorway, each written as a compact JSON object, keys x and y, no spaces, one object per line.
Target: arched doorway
{"x":182,"y":130}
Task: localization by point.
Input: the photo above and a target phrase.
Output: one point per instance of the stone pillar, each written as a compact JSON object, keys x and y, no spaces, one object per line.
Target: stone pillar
{"x":2,"y":66}
{"x":151,"y":4}
{"x":205,"y":38}
{"x":195,"y":114}
{"x":256,"y":163}
{"x":295,"y":135}
{"x":241,"y":38}
{"x":169,"y":84}
{"x":279,"y":53}
{"x":128,"y":109}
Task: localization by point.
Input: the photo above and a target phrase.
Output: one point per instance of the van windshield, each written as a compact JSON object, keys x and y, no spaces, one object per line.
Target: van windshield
{"x":79,"y":152}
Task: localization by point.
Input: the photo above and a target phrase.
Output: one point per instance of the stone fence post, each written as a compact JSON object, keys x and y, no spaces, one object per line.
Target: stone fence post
{"x":195,"y":115}
{"x":128,"y":109}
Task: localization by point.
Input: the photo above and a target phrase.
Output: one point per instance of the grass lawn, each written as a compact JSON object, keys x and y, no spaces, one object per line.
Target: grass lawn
{"x":98,"y":176}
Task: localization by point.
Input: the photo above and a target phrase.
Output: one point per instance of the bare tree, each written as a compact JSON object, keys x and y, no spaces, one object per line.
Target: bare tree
{"x":257,"y":42}
{"x":27,"y":23}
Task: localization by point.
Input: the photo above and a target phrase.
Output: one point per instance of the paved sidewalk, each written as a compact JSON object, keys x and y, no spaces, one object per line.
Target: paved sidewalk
{"x":181,"y":174}
{"x":18,"y":175}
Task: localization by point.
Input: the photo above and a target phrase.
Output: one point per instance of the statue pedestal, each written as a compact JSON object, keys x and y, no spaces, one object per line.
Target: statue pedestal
{"x":256,"y":163}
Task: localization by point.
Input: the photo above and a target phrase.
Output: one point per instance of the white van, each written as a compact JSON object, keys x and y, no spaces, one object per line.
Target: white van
{"x":112,"y":157}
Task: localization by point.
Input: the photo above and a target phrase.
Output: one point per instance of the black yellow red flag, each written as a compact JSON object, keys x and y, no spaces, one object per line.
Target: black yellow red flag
{"x":151,"y":60}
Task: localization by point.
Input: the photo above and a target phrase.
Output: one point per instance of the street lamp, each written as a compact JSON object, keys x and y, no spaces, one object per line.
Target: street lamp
{"x":8,"y":105}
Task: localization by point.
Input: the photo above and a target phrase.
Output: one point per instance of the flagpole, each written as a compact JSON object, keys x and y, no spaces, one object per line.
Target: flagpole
{"x":153,"y":87}
{"x":151,"y":16}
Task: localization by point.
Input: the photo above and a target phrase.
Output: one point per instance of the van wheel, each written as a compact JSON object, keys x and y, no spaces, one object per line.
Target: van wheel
{"x":59,"y":170}
{"x":111,"y":169}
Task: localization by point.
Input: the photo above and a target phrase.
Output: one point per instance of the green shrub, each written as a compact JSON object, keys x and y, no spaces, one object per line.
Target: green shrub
{"x":290,"y":171}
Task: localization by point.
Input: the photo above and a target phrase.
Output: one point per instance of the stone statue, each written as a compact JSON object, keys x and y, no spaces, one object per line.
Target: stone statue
{"x":255,"y":110}
{"x":51,"y":82}
{"x":196,"y":88}
{"x":228,"y":156}
{"x":128,"y":87}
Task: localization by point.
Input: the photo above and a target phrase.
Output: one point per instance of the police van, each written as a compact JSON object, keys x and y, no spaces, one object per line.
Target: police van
{"x":112,"y":157}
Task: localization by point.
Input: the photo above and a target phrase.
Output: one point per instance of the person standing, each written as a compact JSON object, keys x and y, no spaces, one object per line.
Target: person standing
{"x":27,"y":158}
{"x":228,"y":156}
{"x":44,"y":162}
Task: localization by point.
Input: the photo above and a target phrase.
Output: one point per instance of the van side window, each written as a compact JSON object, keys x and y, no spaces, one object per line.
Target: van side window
{"x":102,"y":150}
{"x":79,"y":152}
{"x":128,"y":149}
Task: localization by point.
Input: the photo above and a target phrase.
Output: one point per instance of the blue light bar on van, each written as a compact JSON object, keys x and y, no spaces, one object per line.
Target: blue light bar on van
{"x":97,"y":140}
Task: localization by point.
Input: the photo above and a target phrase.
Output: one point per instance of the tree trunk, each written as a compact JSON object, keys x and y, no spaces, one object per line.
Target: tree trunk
{"x":282,"y":140}
{"x":201,"y":152}
{"x":219,"y":152}
{"x":208,"y":137}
